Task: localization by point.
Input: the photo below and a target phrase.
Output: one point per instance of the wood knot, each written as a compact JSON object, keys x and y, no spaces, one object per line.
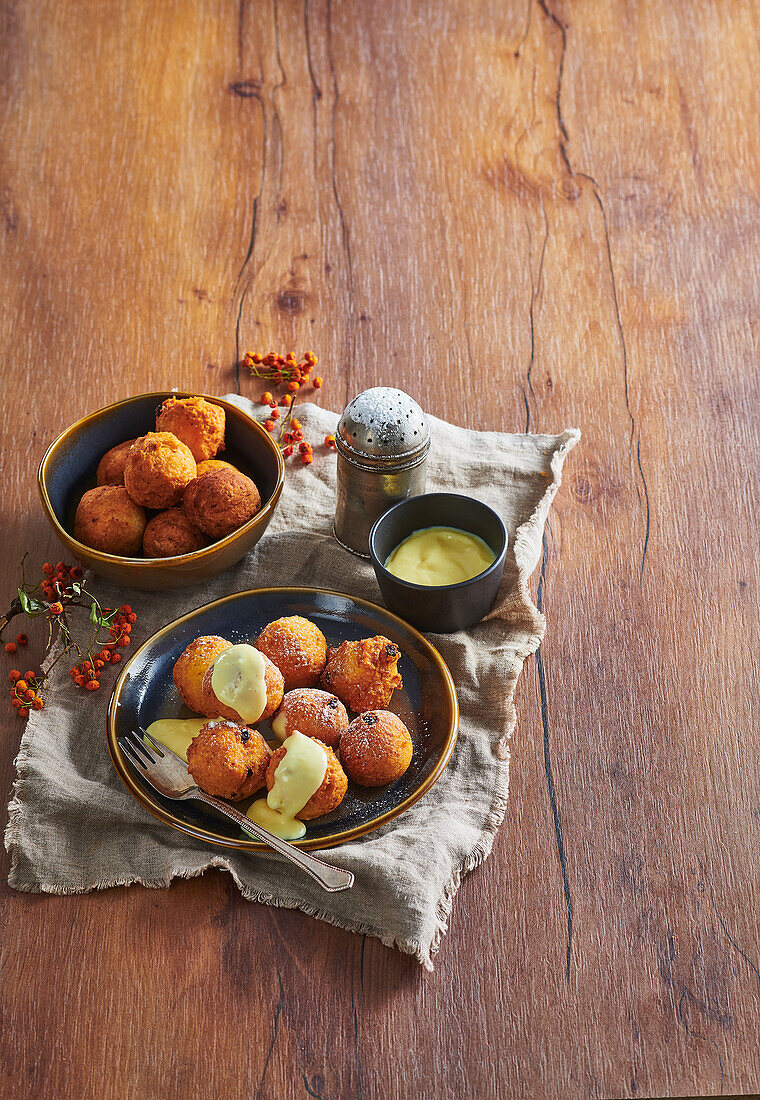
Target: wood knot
{"x":245,"y":89}
{"x":569,"y":188}
{"x":290,"y":300}
{"x":281,"y":209}
{"x":583,"y":490}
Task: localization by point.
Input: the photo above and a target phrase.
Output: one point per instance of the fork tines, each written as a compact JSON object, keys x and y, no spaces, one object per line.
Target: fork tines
{"x":136,"y":749}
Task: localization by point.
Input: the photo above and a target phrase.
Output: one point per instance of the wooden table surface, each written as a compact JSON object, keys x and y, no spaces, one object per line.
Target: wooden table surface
{"x":531,"y":216}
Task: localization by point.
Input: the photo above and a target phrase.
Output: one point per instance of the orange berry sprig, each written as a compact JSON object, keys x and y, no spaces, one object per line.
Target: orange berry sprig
{"x":60,"y":590}
{"x":285,"y":371}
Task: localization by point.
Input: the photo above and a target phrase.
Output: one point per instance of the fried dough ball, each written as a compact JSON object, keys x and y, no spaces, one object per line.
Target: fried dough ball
{"x":274,"y":685}
{"x":196,"y":421}
{"x":313,"y":713}
{"x":376,"y":749}
{"x":107,"y":519}
{"x":363,"y":674}
{"x":297,"y":647}
{"x":158,"y":468}
{"x":228,"y":760}
{"x":330,"y":792}
{"x":191,"y":666}
{"x":111,"y":465}
{"x":210,"y":464}
{"x":221,"y":501}
{"x":171,"y":533}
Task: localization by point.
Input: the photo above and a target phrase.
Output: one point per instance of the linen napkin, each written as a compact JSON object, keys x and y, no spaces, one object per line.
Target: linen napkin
{"x":73,"y":827}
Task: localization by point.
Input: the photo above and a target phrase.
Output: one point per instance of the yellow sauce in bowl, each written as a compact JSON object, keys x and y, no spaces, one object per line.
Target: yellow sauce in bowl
{"x":437,"y":556}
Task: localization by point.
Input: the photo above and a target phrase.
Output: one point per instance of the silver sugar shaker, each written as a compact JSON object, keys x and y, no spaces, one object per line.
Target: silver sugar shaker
{"x":382,"y":440}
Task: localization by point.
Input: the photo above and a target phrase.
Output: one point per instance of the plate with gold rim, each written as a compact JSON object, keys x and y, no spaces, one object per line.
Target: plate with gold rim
{"x":426,"y":703}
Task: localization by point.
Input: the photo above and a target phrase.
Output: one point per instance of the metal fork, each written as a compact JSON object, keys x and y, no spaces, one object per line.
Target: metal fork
{"x":168,"y":774}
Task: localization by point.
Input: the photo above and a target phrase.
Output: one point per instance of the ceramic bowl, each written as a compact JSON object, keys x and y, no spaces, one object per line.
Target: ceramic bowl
{"x":445,"y":608}
{"x":68,"y":469}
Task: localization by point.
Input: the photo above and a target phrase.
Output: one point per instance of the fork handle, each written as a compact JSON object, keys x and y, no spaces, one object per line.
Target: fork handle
{"x":329,"y":877}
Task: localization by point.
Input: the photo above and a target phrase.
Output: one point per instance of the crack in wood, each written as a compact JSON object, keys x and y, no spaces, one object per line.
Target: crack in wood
{"x":731,"y":939}
{"x":597,"y":192}
{"x":343,"y":227}
{"x":275,"y":1029}
{"x":356,"y":1051}
{"x":309,"y":1089}
{"x":549,"y":772}
{"x":534,"y":291}
{"x":695,"y":1035}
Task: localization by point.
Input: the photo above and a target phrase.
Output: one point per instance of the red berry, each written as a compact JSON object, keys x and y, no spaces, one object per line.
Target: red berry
{"x":92,"y":685}
{"x":115,"y":658}
{"x":10,"y":647}
{"x":269,"y":425}
{"x":14,"y":675}
{"x":287,"y":452}
{"x":132,"y":617}
{"x":23,"y":712}
{"x":22,"y":639}
{"x":38,"y":704}
{"x":317,"y":383}
{"x":48,"y":569}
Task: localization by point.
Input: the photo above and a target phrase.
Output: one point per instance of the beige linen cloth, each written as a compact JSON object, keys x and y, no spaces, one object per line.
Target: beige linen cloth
{"x":72,"y":826}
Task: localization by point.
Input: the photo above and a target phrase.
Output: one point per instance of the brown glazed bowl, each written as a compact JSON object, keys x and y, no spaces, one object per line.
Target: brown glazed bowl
{"x":68,"y":469}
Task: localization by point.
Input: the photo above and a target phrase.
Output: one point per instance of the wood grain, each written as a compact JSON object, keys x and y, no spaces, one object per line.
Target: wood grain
{"x":530,"y":216}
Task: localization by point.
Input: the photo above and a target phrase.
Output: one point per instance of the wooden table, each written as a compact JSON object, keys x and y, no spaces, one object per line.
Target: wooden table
{"x":530,"y":216}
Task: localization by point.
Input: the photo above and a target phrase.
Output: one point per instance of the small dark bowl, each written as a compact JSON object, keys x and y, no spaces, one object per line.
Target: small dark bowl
{"x":449,"y":607}
{"x":68,"y":469}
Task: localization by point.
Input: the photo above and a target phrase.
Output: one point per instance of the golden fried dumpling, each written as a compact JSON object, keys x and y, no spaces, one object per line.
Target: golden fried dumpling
{"x":108,"y":519}
{"x":191,"y":667}
{"x":171,"y":533}
{"x":330,"y":792}
{"x":313,"y":713}
{"x":376,"y":749}
{"x":297,"y":647}
{"x":221,"y":501}
{"x":363,"y":674}
{"x":158,"y":469}
{"x":228,"y":760}
{"x":273,"y":685}
{"x":197,"y":422}
{"x":111,"y":466}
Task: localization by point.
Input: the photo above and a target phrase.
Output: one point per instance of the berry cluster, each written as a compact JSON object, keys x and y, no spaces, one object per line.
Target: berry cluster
{"x":286,"y":371}
{"x":24,"y":693}
{"x":87,"y":673}
{"x":57,"y":580}
{"x":60,"y":591}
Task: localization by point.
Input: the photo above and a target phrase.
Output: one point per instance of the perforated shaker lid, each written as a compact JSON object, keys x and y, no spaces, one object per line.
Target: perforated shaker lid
{"x":383,"y":427}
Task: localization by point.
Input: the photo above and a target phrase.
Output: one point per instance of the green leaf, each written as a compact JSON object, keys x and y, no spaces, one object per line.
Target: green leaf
{"x":95,"y":615}
{"x":108,"y":620}
{"x":30,"y":604}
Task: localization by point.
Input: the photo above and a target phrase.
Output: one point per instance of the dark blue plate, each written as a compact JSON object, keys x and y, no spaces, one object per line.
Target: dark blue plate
{"x":427,"y":703}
